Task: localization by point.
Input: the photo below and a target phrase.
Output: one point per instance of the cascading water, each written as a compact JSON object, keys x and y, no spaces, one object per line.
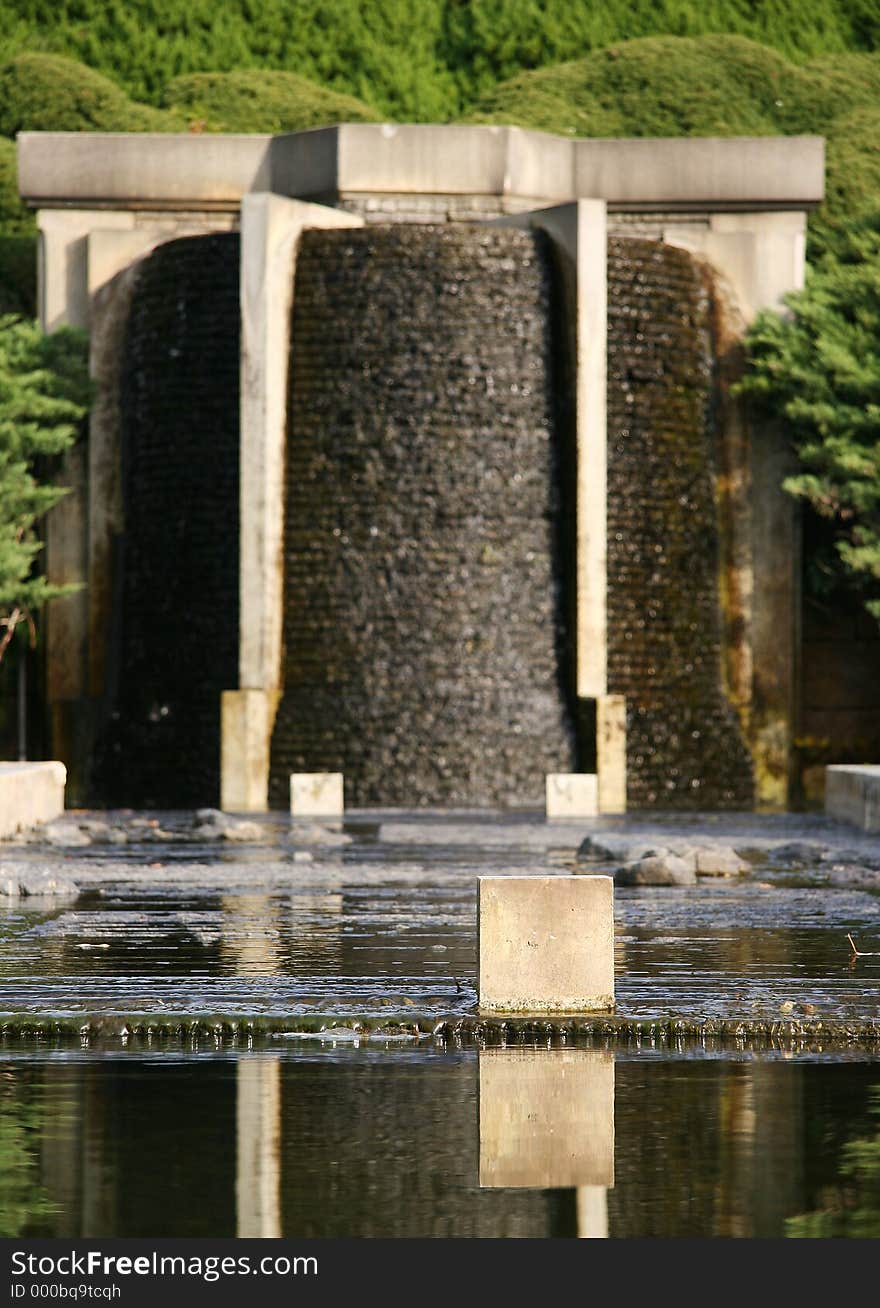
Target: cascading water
{"x":684,"y":744}
{"x":426,"y":646}
{"x":175,"y":647}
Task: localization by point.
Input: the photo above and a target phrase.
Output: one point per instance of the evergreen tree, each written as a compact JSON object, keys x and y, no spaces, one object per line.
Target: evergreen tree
{"x":44,"y":392}
{"x":818,"y":371}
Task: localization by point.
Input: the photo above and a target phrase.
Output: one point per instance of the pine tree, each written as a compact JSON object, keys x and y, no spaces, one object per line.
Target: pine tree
{"x":44,"y":391}
{"x":818,"y":371}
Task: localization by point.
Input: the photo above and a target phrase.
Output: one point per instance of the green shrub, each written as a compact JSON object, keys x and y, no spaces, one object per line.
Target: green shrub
{"x":44,"y":392}
{"x":48,"y":93}
{"x":818,"y":373}
{"x":260,"y":101}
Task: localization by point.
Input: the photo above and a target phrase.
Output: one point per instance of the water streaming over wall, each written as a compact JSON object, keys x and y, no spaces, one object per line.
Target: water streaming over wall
{"x":426,"y":648}
{"x":684,"y":745}
{"x":176,"y":643}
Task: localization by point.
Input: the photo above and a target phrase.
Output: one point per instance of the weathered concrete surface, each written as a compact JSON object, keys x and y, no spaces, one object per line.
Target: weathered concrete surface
{"x":245,"y":729}
{"x":611,"y":752}
{"x":215,"y":171}
{"x":852,"y":794}
{"x":546,"y":944}
{"x":317,"y":794}
{"x":30,"y":793}
{"x":546,"y":1119}
{"x":578,"y":233}
{"x":572,"y":794}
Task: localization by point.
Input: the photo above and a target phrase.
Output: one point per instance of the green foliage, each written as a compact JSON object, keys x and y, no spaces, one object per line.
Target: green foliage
{"x":23,"y":1200}
{"x":414,"y":60}
{"x":260,"y":101}
{"x":715,"y":86}
{"x":818,"y":371}
{"x":47,"y":93}
{"x":851,"y":1208}
{"x":44,"y":392}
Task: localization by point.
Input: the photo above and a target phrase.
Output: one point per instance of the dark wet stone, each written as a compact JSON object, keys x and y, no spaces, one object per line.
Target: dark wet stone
{"x":799,"y":851}
{"x":660,"y":869}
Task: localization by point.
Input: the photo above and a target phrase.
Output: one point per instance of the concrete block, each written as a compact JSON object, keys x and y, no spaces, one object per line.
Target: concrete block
{"x":611,"y":752}
{"x":141,"y":170}
{"x":30,"y":793}
{"x":572,"y":794}
{"x":852,"y":794}
{"x":316,"y":794}
{"x":546,"y":944}
{"x":546,"y":1118}
{"x":246,"y":719}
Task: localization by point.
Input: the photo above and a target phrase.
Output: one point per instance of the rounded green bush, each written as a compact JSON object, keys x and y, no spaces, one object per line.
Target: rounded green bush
{"x":260,"y":101}
{"x":49,"y":93}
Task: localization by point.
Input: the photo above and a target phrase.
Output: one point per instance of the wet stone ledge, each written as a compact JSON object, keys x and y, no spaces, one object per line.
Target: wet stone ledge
{"x":136,"y":1031}
{"x":426,"y":642}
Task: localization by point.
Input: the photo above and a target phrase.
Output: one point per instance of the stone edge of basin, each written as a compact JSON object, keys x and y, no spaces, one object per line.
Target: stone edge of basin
{"x":577,"y":1031}
{"x":30,"y":794}
{"x":852,"y":794}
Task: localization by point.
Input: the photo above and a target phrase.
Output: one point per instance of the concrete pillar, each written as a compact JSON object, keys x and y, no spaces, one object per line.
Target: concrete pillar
{"x":258,"y":1148}
{"x":547,"y":1119}
{"x":546,"y":944}
{"x":271,"y":227}
{"x":246,"y":718}
{"x":592,"y":1212}
{"x":578,"y":232}
{"x":761,"y":256}
{"x":611,"y":752}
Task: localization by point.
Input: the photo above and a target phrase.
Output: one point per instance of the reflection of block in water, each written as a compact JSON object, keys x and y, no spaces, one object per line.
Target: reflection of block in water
{"x":546,"y":1118}
{"x":546,"y":944}
{"x":316,"y":794}
{"x":572,"y":794}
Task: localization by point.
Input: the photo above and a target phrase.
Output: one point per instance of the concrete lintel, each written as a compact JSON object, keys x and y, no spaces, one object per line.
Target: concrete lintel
{"x":579,"y":234}
{"x":546,"y":944}
{"x":141,"y":169}
{"x":852,"y":794}
{"x":30,"y":793}
{"x":63,"y":264}
{"x":271,"y":227}
{"x":703,"y":172}
{"x":183,"y":170}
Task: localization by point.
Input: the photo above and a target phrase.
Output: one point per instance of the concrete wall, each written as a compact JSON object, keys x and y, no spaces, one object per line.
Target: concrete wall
{"x":30,"y":793}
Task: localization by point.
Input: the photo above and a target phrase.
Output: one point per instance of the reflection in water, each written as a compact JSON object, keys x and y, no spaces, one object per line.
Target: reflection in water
{"x":546,"y":1118}
{"x":317,"y":1140}
{"x":851,"y":1206}
{"x":258,"y":1136}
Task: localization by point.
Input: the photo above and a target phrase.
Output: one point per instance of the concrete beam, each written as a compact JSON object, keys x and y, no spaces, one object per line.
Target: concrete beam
{"x":141,"y":170}
{"x":147,"y":170}
{"x":546,"y":944}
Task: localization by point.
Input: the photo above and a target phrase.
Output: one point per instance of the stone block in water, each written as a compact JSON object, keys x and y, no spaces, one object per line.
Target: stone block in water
{"x":546,"y":944}
{"x":572,"y":794}
{"x":316,"y":794}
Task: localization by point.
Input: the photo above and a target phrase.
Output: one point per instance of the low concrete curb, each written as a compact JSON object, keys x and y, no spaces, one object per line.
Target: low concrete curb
{"x":852,"y":794}
{"x":30,"y":793}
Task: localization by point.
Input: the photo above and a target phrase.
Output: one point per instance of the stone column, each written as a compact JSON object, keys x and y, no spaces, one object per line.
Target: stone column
{"x":258,"y":1148}
{"x":271,"y":227}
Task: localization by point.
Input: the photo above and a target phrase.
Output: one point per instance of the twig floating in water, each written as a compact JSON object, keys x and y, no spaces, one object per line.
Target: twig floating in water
{"x":858,"y":953}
